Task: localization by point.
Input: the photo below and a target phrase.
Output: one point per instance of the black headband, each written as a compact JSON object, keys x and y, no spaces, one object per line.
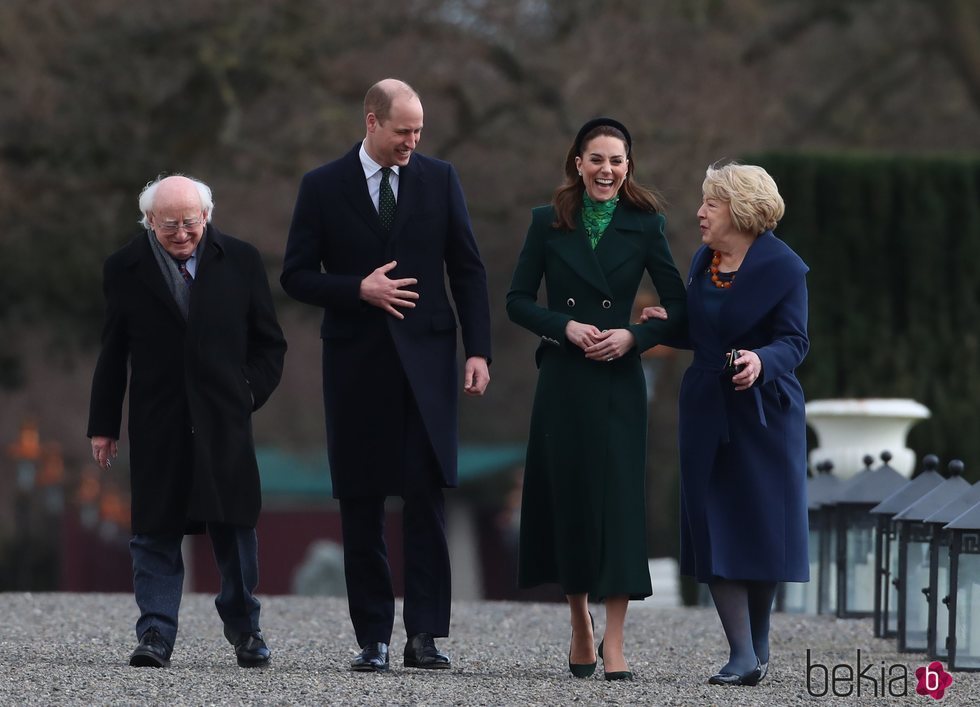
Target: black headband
{"x":595,"y":123}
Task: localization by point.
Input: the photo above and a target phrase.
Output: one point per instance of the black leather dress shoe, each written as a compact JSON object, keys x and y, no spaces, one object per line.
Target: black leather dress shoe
{"x":250,"y":648}
{"x":765,"y":670}
{"x":748,"y":679}
{"x":152,"y":651}
{"x":421,"y":652}
{"x":373,"y":658}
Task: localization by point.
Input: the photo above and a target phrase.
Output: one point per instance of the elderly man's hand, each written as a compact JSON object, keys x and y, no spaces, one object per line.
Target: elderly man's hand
{"x":104,"y":450}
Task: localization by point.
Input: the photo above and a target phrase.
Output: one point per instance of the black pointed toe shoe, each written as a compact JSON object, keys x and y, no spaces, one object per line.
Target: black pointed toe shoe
{"x":152,"y":651}
{"x":421,"y":652}
{"x":765,"y":670}
{"x":616,"y":674}
{"x":748,"y":679}
{"x":583,"y":670}
{"x":373,"y":658}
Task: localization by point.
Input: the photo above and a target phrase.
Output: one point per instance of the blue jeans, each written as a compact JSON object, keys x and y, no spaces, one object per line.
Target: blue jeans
{"x":158,"y":579}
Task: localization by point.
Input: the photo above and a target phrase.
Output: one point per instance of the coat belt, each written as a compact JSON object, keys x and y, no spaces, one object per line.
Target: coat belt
{"x":704,"y":363}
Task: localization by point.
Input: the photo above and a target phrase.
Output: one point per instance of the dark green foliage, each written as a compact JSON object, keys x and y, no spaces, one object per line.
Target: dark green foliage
{"x":893,"y":245}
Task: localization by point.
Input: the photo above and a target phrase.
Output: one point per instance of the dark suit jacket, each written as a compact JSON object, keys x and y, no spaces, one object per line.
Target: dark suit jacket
{"x":335,"y":240}
{"x":191,"y":384}
{"x":743,"y":454}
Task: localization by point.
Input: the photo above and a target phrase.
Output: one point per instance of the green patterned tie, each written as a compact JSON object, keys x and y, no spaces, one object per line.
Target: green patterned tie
{"x":386,"y":200}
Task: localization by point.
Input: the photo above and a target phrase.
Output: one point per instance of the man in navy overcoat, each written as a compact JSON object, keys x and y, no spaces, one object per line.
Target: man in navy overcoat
{"x":373,"y":237}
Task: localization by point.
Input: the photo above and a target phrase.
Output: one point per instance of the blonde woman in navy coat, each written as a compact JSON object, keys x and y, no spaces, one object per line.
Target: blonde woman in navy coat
{"x":582,"y":515}
{"x":743,"y":437}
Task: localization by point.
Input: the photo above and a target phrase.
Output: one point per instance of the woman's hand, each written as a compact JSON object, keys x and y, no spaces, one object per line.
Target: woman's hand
{"x":744,"y":379}
{"x":582,"y":335}
{"x":649,"y":313}
{"x":610,"y":345}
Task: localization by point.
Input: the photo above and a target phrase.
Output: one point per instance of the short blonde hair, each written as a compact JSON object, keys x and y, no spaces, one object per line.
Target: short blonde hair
{"x":752,"y":196}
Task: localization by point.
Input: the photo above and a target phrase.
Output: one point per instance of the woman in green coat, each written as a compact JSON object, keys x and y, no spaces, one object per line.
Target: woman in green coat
{"x":583,"y":515}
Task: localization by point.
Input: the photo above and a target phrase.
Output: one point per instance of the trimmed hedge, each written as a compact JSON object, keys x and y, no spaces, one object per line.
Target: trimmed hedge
{"x":893,"y":245}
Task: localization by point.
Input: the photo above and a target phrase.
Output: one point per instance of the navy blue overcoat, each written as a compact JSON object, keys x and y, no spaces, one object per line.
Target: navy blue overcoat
{"x":743,"y":454}
{"x":335,"y":240}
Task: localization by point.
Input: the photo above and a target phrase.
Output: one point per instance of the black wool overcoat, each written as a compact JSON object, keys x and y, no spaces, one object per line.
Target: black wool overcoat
{"x":193,"y":385}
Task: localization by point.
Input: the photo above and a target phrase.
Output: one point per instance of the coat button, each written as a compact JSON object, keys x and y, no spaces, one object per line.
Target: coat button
{"x":606,"y":304}
{"x":570,"y":302}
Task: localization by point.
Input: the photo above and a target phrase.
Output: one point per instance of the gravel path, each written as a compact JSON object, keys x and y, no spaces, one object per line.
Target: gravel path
{"x":73,"y":649}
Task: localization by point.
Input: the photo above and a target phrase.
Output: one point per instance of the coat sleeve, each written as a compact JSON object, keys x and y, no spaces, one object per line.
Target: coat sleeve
{"x":670,"y":289}
{"x":467,"y":275}
{"x":109,"y":380}
{"x":790,"y":341}
{"x":522,"y":306}
{"x":266,"y":344}
{"x":302,"y":277}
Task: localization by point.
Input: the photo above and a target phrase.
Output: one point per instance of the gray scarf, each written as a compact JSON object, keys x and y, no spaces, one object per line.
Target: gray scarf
{"x":171,"y":274}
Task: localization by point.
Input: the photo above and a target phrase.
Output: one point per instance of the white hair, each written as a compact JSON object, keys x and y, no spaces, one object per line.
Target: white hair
{"x":150,"y":191}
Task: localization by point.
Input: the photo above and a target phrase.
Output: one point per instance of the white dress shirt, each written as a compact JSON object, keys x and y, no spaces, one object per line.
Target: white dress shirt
{"x":372,"y":173}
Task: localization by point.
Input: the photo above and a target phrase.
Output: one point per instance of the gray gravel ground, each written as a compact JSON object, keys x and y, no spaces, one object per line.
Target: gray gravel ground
{"x":73,"y":649}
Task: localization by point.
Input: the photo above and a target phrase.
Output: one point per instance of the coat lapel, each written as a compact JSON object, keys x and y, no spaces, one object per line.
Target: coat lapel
{"x":574,"y":249}
{"x":695,"y":296}
{"x":762,"y":280}
{"x":410,"y":184}
{"x":357,"y":195}
{"x":148,"y":270}
{"x":615,"y":247}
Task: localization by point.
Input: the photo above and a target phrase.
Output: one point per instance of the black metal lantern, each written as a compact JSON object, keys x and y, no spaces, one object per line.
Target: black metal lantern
{"x":886,"y":546}
{"x":854,"y":528}
{"x":964,"y":591}
{"x":914,"y":536}
{"x":814,"y":596}
{"x":939,"y":579}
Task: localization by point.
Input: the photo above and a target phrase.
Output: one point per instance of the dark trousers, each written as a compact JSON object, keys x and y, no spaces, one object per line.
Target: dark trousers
{"x":428,"y":584}
{"x":158,"y":579}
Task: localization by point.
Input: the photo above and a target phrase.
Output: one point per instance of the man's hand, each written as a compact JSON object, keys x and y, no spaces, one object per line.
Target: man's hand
{"x":381,"y":291}
{"x":476,"y":376}
{"x":104,"y":450}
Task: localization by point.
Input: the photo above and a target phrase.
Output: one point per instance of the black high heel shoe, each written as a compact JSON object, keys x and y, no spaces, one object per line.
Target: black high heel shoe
{"x":748,"y":679}
{"x":616,"y":674}
{"x":582,"y":670}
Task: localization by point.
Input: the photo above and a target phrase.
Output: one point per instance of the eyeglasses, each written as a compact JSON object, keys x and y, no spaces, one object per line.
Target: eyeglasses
{"x":170,"y":229}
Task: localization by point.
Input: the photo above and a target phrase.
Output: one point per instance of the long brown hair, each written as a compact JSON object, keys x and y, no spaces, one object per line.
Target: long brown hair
{"x":567,"y":199}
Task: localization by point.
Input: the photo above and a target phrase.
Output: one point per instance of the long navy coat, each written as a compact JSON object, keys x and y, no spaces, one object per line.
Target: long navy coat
{"x":193,"y":384}
{"x":743,"y":454}
{"x":336,"y":240}
{"x":583,"y":516}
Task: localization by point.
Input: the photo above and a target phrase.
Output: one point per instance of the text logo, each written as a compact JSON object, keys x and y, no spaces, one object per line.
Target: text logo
{"x":868,"y":678}
{"x":933,"y":680}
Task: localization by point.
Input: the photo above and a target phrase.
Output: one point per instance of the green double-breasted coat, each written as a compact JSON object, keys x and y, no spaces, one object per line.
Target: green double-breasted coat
{"x":582,"y":514}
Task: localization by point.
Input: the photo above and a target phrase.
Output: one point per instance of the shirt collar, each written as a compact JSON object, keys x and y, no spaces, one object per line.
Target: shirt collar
{"x":369,"y":166}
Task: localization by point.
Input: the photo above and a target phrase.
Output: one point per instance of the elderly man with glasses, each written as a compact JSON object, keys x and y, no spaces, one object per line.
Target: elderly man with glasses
{"x":189,"y":317}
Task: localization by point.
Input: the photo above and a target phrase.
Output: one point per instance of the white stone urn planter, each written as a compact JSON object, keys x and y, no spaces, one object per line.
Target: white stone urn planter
{"x":848,"y":429}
